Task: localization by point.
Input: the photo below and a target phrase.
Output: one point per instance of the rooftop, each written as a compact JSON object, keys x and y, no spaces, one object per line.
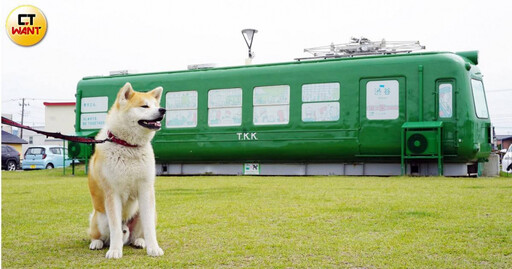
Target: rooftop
{"x":379,"y":56}
{"x":8,"y":138}
{"x":503,"y":137}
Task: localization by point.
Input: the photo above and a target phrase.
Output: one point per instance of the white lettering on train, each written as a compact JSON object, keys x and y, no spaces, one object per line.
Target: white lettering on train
{"x":246,"y":136}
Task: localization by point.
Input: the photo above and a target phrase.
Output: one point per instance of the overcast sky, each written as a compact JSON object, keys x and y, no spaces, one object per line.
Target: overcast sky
{"x":87,"y":38}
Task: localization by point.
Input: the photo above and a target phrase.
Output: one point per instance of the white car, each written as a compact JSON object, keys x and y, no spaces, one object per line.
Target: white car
{"x":506,"y":163}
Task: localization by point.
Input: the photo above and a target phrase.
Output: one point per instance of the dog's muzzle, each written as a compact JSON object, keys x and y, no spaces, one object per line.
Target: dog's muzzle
{"x":154,"y":124}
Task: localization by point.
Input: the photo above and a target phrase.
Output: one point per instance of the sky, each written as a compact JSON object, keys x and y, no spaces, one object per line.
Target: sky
{"x":86,"y":38}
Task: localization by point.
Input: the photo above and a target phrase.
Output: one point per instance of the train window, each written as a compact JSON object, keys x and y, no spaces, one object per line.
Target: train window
{"x":321,"y":92}
{"x":225,"y":107}
{"x":271,"y":105}
{"x":445,"y":100}
{"x":382,"y":100}
{"x":479,"y":97}
{"x":315,"y":108}
{"x":181,"y":109}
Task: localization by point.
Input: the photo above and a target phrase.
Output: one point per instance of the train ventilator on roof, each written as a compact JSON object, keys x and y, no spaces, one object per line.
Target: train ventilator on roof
{"x":361,"y":47}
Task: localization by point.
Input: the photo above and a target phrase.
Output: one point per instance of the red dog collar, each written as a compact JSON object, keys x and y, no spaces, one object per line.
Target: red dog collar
{"x":114,"y":139}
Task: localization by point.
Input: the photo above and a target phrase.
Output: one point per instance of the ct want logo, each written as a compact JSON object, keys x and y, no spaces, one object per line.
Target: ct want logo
{"x":26,"y":25}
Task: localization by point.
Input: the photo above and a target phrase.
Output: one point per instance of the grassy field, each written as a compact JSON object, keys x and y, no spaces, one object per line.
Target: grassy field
{"x":282,"y":222}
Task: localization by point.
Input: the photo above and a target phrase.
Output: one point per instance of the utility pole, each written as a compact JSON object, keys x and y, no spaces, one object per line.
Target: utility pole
{"x":22,"y":115}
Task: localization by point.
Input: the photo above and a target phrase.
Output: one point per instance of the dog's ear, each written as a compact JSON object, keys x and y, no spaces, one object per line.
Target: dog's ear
{"x":125,"y":93}
{"x":157,"y":93}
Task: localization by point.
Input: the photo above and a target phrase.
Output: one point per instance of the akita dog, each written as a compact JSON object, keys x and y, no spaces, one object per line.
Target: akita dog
{"x":122,"y":175}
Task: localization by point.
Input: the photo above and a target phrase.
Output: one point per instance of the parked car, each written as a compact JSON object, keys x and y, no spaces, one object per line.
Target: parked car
{"x":10,"y":158}
{"x":506,"y":162}
{"x":45,"y":157}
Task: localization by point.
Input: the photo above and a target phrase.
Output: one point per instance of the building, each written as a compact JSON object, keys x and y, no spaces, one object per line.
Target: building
{"x":5,"y":127}
{"x":504,"y":141}
{"x":58,"y":117}
{"x":14,"y":141}
{"x":33,"y":138}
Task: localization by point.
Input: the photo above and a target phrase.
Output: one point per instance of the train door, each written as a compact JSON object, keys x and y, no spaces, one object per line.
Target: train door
{"x":446,"y":112}
{"x":382,"y":106}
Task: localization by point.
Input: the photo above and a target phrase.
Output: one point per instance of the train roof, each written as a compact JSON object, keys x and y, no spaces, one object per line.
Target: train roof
{"x":468,"y":56}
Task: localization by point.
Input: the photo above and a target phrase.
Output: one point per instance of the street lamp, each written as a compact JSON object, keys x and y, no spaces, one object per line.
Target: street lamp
{"x":248,"y":37}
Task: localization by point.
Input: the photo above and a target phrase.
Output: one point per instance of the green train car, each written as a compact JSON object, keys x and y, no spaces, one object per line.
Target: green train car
{"x":417,"y":113}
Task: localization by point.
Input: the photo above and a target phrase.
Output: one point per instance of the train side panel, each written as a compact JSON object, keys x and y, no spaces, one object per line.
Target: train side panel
{"x":377,"y":95}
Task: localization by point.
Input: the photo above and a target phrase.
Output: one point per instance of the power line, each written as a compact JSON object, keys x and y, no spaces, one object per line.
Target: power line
{"x":10,"y":100}
{"x":19,"y":99}
{"x":35,"y":99}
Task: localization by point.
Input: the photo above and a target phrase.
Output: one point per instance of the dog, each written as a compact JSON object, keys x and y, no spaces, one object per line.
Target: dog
{"x":122,"y":175}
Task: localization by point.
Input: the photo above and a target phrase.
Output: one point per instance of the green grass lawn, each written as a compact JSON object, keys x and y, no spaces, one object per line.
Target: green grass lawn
{"x":283,"y":222}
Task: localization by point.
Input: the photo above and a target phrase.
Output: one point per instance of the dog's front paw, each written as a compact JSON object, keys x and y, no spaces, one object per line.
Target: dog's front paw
{"x":155,"y":251}
{"x":114,"y":254}
{"x":96,"y":244}
{"x":139,"y":243}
